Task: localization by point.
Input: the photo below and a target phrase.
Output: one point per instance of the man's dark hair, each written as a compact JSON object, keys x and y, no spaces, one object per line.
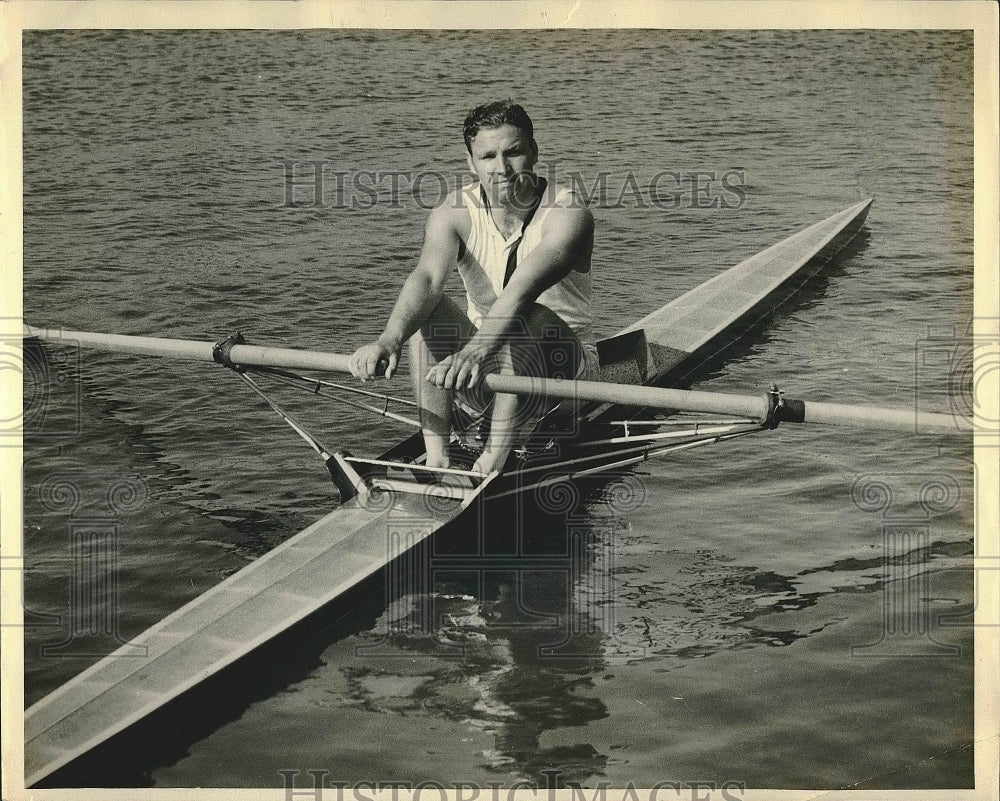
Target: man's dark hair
{"x":493,"y":115}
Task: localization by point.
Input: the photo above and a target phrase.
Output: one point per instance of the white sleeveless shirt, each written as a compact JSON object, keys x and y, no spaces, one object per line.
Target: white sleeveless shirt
{"x":483,"y":264}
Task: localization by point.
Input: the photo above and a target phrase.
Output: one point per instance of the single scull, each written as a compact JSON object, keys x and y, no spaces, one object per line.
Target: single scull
{"x":391,"y":503}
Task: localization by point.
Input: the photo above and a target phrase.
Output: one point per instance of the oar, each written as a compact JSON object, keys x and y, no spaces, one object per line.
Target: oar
{"x":191,"y":350}
{"x":765,"y":408}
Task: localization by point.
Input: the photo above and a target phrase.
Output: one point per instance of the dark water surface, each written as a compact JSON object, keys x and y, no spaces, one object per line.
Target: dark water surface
{"x":714,"y":627}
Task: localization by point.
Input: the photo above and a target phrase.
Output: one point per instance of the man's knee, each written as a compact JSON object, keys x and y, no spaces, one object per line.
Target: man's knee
{"x":540,"y":322}
{"x":545,"y":345}
{"x":444,"y":331}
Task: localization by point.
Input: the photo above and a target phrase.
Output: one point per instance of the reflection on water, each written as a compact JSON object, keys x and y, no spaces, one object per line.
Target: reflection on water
{"x":500,"y":643}
{"x":515,"y":643}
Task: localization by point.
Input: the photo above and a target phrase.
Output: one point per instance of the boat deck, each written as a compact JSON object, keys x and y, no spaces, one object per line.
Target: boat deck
{"x":686,"y":325}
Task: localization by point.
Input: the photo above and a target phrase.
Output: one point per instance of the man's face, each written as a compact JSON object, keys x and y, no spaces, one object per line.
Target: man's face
{"x":499,"y":157}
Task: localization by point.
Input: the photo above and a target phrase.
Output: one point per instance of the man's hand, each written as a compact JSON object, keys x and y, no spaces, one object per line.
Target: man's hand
{"x":368,"y":360}
{"x":465,"y":368}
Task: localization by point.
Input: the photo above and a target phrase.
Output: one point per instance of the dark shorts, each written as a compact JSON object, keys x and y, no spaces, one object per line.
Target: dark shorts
{"x":472,"y":410}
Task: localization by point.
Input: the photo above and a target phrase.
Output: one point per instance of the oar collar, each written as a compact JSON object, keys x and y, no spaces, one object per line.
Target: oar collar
{"x":222,"y":349}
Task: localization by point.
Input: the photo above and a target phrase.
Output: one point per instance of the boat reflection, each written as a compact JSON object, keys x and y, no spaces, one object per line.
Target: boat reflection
{"x":500,"y":635}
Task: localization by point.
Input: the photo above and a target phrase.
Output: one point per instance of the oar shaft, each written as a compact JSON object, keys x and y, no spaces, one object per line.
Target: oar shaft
{"x":249,"y":355}
{"x":881,"y":417}
{"x":631,"y":395}
{"x":754,"y":407}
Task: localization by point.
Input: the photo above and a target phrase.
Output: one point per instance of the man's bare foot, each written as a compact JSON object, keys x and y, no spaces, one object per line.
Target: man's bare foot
{"x":436,"y":449}
{"x":490,"y":462}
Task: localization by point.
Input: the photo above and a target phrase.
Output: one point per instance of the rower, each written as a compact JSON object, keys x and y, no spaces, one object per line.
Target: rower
{"x":523,"y":250}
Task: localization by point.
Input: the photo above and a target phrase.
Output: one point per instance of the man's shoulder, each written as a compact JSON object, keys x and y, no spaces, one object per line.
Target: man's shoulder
{"x":564,"y":205}
{"x":452,"y":209}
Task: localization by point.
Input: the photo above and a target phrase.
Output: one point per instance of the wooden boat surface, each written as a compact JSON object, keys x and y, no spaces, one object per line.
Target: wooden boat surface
{"x":358,"y":538}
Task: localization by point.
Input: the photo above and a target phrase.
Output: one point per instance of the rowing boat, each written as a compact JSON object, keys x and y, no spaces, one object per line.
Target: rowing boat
{"x":393,"y":502}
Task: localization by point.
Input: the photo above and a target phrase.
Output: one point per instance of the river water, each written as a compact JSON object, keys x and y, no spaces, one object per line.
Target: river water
{"x":734,"y":614}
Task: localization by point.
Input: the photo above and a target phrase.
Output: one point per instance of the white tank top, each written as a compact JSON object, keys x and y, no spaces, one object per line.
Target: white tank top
{"x":483,"y":264}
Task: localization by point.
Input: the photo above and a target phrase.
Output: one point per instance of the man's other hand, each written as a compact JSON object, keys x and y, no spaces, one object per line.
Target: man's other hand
{"x":464,"y":369}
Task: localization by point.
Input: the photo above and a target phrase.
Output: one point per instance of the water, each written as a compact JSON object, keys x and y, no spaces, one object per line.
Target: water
{"x":719,"y":593}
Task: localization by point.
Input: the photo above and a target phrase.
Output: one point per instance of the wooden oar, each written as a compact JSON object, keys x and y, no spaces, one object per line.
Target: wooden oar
{"x":755,"y":407}
{"x":191,"y":350}
{"x":759,"y":407}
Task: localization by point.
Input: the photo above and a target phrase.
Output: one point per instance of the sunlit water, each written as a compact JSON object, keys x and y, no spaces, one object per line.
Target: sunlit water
{"x":715,"y":624}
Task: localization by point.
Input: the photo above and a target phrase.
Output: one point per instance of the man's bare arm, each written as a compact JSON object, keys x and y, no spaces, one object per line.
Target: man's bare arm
{"x":420,"y":294}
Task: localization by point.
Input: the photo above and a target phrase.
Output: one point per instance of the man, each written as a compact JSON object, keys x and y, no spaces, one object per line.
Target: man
{"x":523,"y":252}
